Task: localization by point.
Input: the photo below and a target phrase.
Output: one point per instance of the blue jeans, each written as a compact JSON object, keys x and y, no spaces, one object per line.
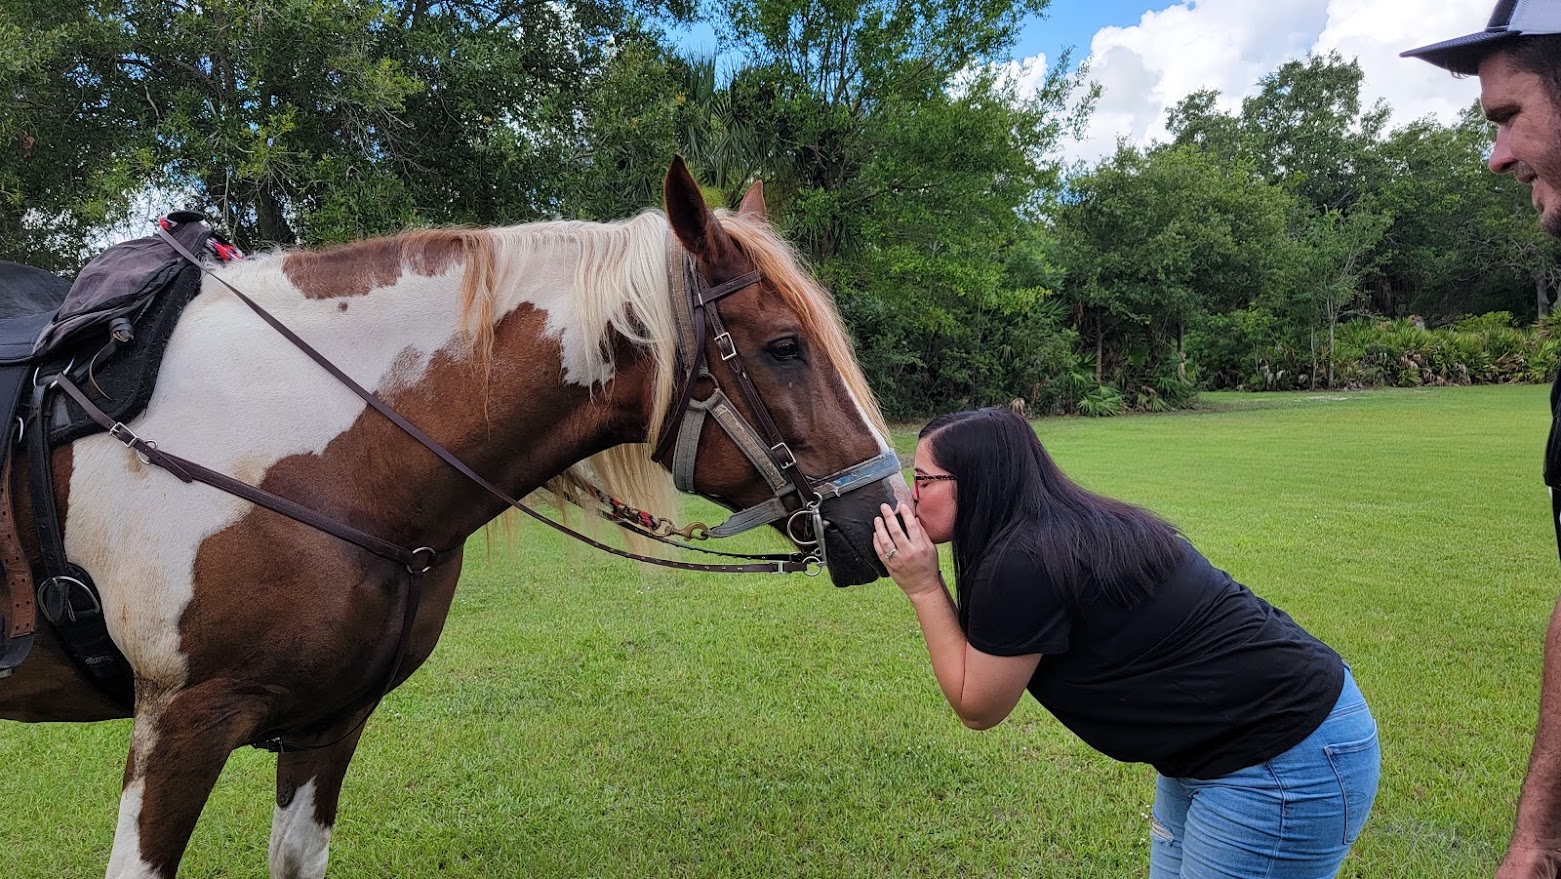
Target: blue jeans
{"x":1292,"y":817}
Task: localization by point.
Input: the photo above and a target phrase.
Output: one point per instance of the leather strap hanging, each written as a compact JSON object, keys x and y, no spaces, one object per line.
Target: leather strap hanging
{"x":21,"y":613}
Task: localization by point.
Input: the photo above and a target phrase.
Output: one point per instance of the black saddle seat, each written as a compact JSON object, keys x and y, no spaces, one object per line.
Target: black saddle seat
{"x":29,"y":297}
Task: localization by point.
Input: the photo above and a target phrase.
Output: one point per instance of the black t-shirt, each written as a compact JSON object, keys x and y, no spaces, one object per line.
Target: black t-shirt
{"x":1553,"y":444}
{"x":1202,"y":679}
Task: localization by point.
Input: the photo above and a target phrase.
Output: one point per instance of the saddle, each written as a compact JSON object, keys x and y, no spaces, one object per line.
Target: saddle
{"x":107,"y":332}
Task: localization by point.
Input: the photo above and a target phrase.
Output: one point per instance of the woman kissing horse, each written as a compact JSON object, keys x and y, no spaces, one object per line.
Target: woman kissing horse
{"x":524,"y":351}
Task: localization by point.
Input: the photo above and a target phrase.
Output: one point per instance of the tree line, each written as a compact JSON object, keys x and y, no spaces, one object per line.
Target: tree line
{"x":1270,"y":247}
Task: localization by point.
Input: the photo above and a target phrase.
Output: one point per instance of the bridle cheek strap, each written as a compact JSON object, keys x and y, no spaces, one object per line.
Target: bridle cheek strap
{"x":746,"y":438}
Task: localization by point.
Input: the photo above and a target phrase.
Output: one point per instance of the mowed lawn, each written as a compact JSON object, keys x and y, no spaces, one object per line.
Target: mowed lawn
{"x":585,"y":718}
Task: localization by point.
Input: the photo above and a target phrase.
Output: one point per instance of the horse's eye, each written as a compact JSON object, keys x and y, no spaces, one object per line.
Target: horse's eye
{"x":786,"y":349}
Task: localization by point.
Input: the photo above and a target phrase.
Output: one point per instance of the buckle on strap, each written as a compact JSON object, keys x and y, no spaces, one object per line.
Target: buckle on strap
{"x":783,"y":456}
{"x":726,"y":346}
{"x":134,"y":443}
{"x":124,"y":434}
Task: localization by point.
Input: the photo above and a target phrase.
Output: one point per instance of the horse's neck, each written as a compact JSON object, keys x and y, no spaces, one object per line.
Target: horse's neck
{"x":540,"y":406}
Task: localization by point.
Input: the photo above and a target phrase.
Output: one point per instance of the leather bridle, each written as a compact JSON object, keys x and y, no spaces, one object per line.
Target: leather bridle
{"x":697,"y":310}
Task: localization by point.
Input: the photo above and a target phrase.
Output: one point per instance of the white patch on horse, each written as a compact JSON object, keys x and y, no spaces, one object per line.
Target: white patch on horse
{"x":902,"y":491}
{"x":300,"y":846}
{"x":236,"y":397}
{"x":867,"y":423}
{"x":549,"y":290}
{"x":125,"y":860}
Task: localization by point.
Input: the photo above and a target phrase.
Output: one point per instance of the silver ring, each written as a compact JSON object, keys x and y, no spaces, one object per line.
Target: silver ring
{"x":893,"y":551}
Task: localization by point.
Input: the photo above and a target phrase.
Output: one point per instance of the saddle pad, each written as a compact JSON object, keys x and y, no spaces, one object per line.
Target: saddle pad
{"x":119,"y":282}
{"x":122,"y":386}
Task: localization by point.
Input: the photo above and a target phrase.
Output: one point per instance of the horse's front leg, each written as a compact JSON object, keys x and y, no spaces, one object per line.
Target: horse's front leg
{"x":308,"y":786}
{"x":178,"y":746}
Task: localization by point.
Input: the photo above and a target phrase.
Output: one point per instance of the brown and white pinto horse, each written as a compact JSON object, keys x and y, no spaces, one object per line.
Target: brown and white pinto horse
{"x":524,"y":351}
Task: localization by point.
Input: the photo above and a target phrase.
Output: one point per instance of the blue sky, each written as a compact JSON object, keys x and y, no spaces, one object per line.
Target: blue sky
{"x":1066,"y":23}
{"x":1074,"y":23}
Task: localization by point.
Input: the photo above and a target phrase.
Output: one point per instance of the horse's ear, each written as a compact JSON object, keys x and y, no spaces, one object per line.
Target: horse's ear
{"x":692,"y":220}
{"x":753,"y":201}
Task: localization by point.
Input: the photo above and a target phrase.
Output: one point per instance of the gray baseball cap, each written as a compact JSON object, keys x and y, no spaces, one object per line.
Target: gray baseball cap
{"x":1512,"y":18}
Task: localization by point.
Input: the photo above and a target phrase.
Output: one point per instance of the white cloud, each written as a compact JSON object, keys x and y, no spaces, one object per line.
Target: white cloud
{"x":1029,"y":75}
{"x":1227,"y":45}
{"x":1026,"y":75}
{"x":1375,"y":31}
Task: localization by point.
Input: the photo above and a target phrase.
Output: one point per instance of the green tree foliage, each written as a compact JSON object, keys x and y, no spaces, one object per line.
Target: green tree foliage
{"x":1289,"y":242}
{"x":294,"y":119}
{"x":1370,"y":224}
{"x":912,"y":173}
{"x":1462,"y":239}
{"x":1306,"y":132}
{"x":1151,"y":242}
{"x":65,"y":170}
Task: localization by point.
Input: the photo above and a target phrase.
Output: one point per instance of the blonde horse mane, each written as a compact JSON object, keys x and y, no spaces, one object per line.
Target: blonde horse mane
{"x":618,"y":285}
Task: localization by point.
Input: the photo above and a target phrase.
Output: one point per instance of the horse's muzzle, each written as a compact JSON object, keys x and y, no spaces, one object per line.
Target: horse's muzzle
{"x":848,"y":534}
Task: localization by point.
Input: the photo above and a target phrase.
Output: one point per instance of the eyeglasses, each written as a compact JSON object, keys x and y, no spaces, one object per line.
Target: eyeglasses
{"x":919,"y":478}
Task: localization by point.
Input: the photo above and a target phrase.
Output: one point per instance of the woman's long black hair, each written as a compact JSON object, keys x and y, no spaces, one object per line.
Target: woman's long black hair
{"x":1010,"y":496}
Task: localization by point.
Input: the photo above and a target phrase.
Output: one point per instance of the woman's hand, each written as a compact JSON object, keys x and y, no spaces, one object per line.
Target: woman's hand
{"x":912,"y":559}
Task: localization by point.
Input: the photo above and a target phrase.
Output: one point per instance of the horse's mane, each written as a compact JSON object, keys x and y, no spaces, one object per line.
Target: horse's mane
{"x":619,"y":287}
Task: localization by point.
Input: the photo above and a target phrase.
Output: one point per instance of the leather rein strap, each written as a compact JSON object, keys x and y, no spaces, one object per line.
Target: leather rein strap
{"x":417,"y":560}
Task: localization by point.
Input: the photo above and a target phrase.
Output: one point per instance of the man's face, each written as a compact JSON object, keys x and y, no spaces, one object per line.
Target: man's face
{"x":1528,"y":133}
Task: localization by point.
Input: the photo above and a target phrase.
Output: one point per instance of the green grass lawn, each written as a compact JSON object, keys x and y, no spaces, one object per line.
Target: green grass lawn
{"x":585,"y":718}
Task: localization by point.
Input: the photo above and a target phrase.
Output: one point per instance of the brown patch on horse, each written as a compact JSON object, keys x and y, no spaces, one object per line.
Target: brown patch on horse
{"x":191,"y":740}
{"x":361,"y":267}
{"x":352,"y":270}
{"x":317,"y":634}
{"x":300,"y":649}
